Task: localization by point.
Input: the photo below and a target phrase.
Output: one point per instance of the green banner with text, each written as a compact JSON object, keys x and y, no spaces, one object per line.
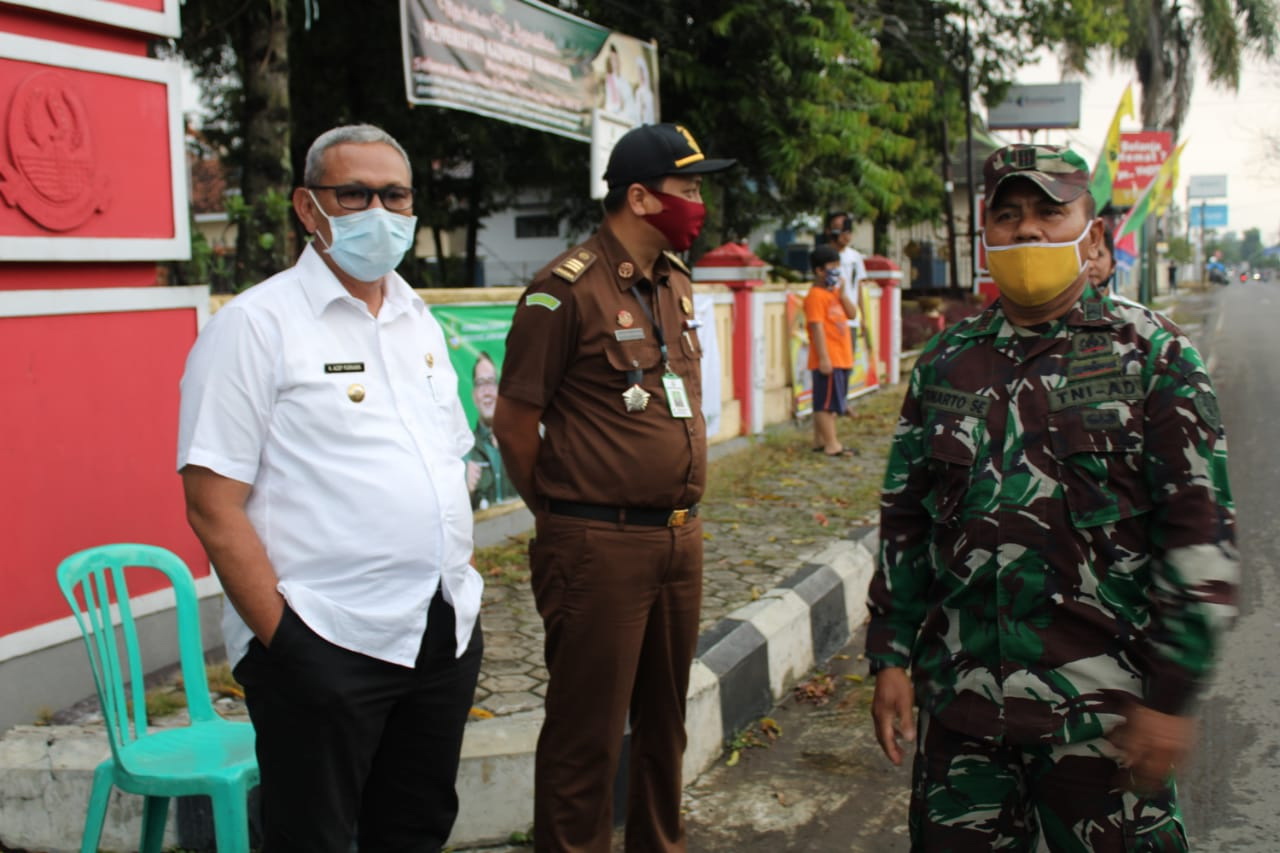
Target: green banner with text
{"x":527,"y":63}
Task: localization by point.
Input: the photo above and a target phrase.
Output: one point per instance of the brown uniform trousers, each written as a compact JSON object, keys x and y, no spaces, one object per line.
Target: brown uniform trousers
{"x":620,"y":604}
{"x":619,"y":599}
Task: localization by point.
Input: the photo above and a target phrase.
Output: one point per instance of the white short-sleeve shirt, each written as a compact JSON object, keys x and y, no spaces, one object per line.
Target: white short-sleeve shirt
{"x":349,"y":429}
{"x":853,"y":270}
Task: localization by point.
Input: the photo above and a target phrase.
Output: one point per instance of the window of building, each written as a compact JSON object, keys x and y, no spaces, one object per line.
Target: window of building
{"x":536,"y":225}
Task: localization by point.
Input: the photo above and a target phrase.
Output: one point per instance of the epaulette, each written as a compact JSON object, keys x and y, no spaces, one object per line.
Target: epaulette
{"x":677,"y":262}
{"x":572,"y":267}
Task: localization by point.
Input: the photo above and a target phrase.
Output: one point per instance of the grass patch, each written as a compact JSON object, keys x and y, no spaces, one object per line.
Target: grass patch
{"x":781,"y":470}
{"x":166,"y":700}
{"x":222,"y":682}
{"x":506,"y":563}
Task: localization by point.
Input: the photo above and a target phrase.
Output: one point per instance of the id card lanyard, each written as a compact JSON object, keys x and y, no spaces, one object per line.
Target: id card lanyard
{"x":677,"y":397}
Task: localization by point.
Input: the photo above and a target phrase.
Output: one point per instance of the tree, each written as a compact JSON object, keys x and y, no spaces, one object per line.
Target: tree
{"x":824,"y":103}
{"x":1163,"y":38}
{"x":794,"y":92}
{"x":1227,"y":243}
{"x":239,"y":51}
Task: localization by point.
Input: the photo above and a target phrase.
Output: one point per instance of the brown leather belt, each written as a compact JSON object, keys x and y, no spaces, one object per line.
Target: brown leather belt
{"x":625,"y":514}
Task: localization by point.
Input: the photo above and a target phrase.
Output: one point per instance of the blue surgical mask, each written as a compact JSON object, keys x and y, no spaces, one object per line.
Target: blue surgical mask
{"x":369,"y":244}
{"x":832,"y":278}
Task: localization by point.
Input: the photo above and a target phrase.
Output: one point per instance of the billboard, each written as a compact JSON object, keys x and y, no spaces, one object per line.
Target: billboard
{"x":1141,"y":156}
{"x":1207,"y":186}
{"x":1035,"y":106}
{"x":526,"y":63}
{"x":1207,"y":216}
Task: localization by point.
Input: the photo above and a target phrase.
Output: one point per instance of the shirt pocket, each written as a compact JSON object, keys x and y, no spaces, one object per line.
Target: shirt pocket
{"x":951,"y":447}
{"x":690,"y":345}
{"x":1099,"y":453}
{"x":625,"y":356}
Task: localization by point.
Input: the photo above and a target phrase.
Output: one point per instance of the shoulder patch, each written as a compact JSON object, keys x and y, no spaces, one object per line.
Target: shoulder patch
{"x":546,"y":300}
{"x":572,"y":267}
{"x":1206,"y":401}
{"x":1207,"y":406}
{"x":677,"y":262}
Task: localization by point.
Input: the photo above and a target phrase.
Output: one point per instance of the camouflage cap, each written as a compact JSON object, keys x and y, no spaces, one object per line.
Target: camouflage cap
{"x":1060,"y":172}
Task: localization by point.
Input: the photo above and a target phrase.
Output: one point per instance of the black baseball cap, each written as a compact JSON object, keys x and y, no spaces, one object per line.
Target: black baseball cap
{"x":654,"y":151}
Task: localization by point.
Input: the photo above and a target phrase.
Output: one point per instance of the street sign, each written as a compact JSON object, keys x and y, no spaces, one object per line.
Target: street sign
{"x":1037,"y":106}
{"x":1207,"y":186}
{"x":1141,"y":155}
{"x":1208,"y":215}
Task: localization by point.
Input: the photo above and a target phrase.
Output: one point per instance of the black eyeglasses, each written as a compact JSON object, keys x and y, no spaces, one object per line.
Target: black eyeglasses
{"x":357,"y":197}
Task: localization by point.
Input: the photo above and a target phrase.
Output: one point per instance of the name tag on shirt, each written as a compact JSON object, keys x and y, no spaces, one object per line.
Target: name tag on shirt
{"x":677,"y":398}
{"x":629,"y":334}
{"x":345,"y":367}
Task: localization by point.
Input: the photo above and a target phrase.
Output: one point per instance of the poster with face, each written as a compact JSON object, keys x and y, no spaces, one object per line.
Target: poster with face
{"x":477,"y":335}
{"x":627,"y":69}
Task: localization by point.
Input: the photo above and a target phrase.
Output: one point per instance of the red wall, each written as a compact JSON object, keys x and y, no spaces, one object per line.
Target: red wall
{"x":90,"y":441}
{"x":40,"y":276}
{"x":27,"y":22}
{"x":88,"y":402}
{"x":128,"y":125}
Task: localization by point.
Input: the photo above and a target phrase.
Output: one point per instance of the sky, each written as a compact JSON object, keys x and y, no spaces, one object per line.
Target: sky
{"x":1224,"y":131}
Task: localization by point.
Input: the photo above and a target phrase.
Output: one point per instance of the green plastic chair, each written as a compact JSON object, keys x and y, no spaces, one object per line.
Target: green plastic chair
{"x":212,"y":756}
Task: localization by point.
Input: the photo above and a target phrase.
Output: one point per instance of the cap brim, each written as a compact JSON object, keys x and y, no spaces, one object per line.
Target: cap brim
{"x":703,"y":167}
{"x":1054,"y":189}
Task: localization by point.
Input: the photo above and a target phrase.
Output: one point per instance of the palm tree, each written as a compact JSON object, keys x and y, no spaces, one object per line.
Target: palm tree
{"x":1163,"y":35}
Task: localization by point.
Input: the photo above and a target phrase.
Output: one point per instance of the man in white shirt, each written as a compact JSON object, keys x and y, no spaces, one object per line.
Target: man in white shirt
{"x":839,"y":232}
{"x":321,"y":441}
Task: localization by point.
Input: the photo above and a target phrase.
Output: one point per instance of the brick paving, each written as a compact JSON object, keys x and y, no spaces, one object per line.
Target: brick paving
{"x":767,"y":498}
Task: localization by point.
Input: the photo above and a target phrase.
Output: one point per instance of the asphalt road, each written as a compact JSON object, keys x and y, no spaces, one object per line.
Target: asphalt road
{"x":1231,"y":793}
{"x":824,"y":785}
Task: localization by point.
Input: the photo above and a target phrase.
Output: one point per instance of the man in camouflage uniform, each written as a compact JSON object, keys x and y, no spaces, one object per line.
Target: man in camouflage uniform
{"x":1057,"y":547}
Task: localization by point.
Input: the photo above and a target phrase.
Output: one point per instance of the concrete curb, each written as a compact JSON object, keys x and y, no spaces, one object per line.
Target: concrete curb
{"x":745,"y":663}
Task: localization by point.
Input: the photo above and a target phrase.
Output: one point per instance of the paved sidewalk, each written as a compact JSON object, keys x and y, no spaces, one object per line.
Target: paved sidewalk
{"x":778,"y":520}
{"x":769,"y":498}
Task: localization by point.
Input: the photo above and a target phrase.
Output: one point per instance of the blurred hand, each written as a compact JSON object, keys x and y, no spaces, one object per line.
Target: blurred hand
{"x":824,"y":366}
{"x":1152,"y":745}
{"x":893,"y":711}
{"x":473,"y":475}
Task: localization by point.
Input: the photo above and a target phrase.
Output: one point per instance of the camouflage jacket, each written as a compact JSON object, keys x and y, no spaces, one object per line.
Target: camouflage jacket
{"x":1057,"y":537}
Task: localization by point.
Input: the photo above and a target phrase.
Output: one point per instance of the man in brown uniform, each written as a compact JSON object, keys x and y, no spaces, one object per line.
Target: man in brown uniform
{"x":604,"y":353}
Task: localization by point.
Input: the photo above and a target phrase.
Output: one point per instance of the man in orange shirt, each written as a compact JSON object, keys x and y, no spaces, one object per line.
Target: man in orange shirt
{"x":826,"y":312}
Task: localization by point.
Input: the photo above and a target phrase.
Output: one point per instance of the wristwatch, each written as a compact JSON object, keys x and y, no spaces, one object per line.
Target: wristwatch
{"x":878,"y":665}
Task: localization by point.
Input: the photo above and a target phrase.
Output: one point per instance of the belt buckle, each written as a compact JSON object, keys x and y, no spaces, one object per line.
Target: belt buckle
{"x":678,"y":518}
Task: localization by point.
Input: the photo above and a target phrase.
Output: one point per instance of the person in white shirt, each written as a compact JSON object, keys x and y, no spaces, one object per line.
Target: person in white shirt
{"x":321,"y":444}
{"x":839,"y":233}
{"x":645,"y":108}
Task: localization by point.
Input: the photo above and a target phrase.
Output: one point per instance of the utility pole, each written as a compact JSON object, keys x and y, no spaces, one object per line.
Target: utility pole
{"x":968,"y":157}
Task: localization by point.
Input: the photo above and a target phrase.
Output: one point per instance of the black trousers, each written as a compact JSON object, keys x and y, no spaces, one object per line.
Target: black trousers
{"x":346,"y":741}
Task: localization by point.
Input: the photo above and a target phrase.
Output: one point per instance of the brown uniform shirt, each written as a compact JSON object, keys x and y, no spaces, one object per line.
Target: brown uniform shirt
{"x":576,"y":333}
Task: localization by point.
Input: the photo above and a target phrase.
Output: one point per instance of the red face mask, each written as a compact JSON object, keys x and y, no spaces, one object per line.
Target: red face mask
{"x":680,"y":220}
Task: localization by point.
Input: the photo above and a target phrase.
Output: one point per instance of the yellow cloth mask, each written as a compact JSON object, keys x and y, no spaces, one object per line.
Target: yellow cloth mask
{"x":1031,"y":274}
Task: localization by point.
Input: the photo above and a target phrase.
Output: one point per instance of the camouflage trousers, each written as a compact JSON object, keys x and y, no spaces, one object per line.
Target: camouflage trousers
{"x":973,"y":795}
